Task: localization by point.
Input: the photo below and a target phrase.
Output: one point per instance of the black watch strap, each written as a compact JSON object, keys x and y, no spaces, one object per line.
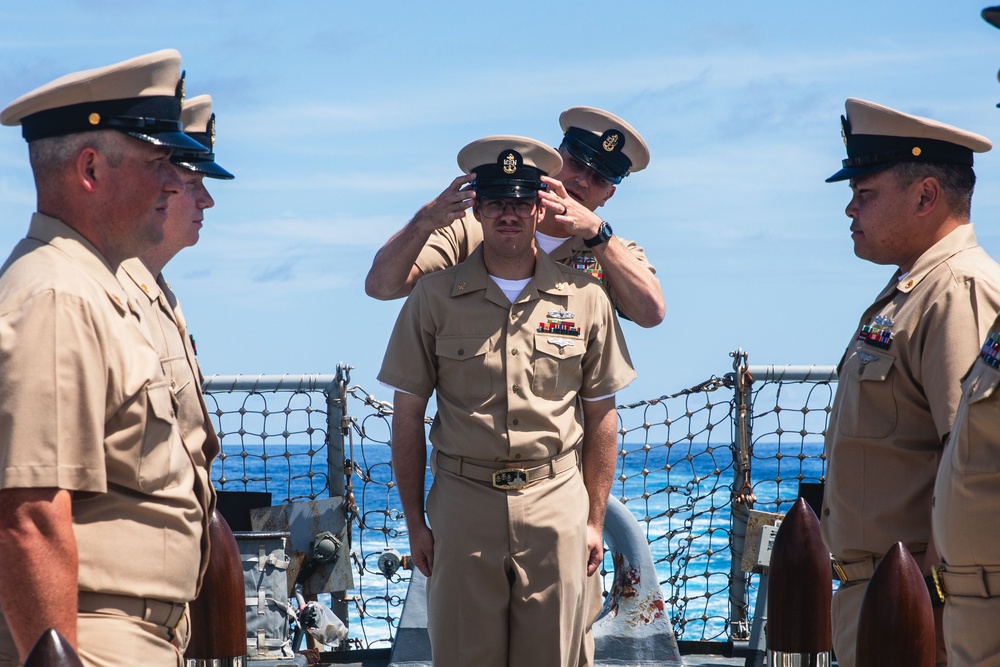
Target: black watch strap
{"x":604,"y":234}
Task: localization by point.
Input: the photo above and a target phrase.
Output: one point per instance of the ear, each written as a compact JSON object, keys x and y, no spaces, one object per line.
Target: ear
{"x":929,"y":195}
{"x":611,"y":193}
{"x":88,"y":169}
{"x":475,"y":211}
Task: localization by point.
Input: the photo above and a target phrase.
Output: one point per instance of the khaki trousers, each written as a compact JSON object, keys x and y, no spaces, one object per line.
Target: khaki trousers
{"x":846,"y":610}
{"x":509,"y":582}
{"x":972,"y":631}
{"x":110,"y":640}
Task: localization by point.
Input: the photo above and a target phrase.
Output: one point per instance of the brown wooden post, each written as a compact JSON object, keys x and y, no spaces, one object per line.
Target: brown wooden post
{"x":799,"y":591}
{"x":896,"y":625}
{"x":52,"y":650}
{"x":218,"y":615}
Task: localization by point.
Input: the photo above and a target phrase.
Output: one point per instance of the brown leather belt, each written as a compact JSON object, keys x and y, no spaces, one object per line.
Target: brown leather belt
{"x":509,"y":475}
{"x":976,"y":582}
{"x":157,"y":612}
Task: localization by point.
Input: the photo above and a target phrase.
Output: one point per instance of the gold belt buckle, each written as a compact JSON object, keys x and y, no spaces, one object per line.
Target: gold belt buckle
{"x":839,"y":570}
{"x":938,"y":582}
{"x":510,"y":479}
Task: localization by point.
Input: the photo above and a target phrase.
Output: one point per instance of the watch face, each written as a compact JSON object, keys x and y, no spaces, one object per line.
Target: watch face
{"x":603,"y":236}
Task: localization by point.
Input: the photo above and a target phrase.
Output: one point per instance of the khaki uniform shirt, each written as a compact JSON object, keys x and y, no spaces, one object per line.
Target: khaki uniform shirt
{"x":450,"y":245}
{"x":169,"y":331}
{"x":967,"y":493}
{"x":505,"y":390}
{"x":897,"y":395}
{"x":84,"y":406}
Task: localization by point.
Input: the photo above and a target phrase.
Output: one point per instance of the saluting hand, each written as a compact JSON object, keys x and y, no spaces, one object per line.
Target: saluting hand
{"x":448,"y":206}
{"x":568,"y":214}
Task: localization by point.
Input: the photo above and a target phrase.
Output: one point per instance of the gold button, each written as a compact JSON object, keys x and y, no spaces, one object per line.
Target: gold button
{"x":514,"y":352}
{"x":517,"y":456}
{"x":94,"y":118}
{"x":909,"y":283}
{"x":461,"y":352}
{"x":514,"y":422}
{"x":517,"y":387}
{"x":916,"y":151}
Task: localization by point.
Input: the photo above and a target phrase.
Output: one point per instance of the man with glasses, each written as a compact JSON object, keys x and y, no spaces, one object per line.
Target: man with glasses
{"x":598,"y":151}
{"x":525,"y":355}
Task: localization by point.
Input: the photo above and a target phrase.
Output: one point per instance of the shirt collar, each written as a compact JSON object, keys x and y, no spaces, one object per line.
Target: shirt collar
{"x":472,"y":276}
{"x":135,"y":270}
{"x":62,"y":237}
{"x":961,"y":238}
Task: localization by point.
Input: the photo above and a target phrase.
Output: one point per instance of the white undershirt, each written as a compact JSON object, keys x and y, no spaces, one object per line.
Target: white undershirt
{"x":512,"y":288}
{"x":549,"y":243}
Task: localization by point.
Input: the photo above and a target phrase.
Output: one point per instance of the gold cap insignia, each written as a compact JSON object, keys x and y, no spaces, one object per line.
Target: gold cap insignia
{"x":916,"y":151}
{"x":845,"y":129}
{"x":94,"y":118}
{"x":509,"y":163}
{"x":610,"y":141}
{"x":211,"y":130}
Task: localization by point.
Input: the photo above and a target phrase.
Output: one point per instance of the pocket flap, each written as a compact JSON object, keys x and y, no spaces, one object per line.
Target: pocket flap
{"x":160,"y":400}
{"x":874,"y":367}
{"x":561,"y":347}
{"x":461,"y":347}
{"x":983,"y":382}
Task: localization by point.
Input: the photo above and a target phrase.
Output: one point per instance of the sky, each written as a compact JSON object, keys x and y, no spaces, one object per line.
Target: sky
{"x":341,"y":119}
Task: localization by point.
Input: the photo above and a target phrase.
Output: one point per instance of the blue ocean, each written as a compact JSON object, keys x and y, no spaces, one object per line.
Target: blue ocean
{"x":681,"y":495}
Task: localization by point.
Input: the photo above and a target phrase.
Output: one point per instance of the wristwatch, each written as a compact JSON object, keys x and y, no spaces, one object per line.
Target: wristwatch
{"x":604,"y":233}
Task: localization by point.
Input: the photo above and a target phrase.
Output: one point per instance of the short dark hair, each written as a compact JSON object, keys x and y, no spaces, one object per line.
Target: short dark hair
{"x":957,"y":181}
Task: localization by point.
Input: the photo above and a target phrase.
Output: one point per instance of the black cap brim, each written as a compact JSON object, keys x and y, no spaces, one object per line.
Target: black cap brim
{"x":506,"y":192}
{"x":207,"y":167}
{"x":177,"y":140}
{"x":848,"y":173}
{"x":992,"y":16}
{"x":585,"y":154}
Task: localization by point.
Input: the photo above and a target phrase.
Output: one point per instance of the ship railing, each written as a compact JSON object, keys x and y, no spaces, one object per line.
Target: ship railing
{"x":694,"y":467}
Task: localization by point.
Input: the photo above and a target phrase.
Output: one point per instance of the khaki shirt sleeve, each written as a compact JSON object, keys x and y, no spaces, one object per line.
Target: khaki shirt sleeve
{"x":52,"y":403}
{"x":446,"y":247}
{"x":409,"y":363}
{"x":950,"y":333}
{"x":639,"y":254}
{"x":607,"y":366}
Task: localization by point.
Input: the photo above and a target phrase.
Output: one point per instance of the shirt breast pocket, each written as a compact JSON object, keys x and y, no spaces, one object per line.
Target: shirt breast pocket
{"x":977,"y":426}
{"x":162,"y":453}
{"x":463,"y":365}
{"x":557,"y":368}
{"x":869,"y":406}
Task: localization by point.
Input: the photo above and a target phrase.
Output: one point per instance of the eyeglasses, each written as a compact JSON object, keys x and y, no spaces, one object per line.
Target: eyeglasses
{"x":494,"y":208}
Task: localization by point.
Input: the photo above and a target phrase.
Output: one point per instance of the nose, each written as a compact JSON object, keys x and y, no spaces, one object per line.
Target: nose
{"x":205,"y":199}
{"x":508,"y":212}
{"x":851,"y":209}
{"x":171,"y":179}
